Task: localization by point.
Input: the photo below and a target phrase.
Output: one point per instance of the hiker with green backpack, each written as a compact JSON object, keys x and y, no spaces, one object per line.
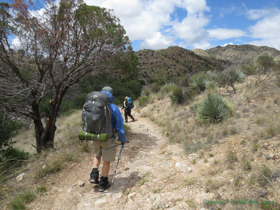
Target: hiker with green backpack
{"x":100,"y":117}
{"x":127,"y":106}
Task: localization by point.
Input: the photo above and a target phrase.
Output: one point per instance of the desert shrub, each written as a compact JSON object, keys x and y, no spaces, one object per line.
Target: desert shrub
{"x":20,"y":200}
{"x":249,"y":69}
{"x":155,"y":87}
{"x":17,"y":154}
{"x":168,"y":88}
{"x":265,"y":64}
{"x":177,"y":96}
{"x":237,"y":75}
{"x":229,"y":77}
{"x":160,"y":77}
{"x":264,"y":175}
{"x":190,"y":94}
{"x":211,"y":86}
{"x":7,"y":127}
{"x":199,"y":82}
{"x":213,"y":109}
{"x":144,"y":101}
{"x":146,"y":91}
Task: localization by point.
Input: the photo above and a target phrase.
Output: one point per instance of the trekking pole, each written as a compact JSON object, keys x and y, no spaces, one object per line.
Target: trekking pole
{"x":109,"y":148}
{"x":117,"y":163}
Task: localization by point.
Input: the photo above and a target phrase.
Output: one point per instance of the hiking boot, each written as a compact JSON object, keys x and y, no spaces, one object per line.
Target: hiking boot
{"x":94,"y":175}
{"x":103,"y":184}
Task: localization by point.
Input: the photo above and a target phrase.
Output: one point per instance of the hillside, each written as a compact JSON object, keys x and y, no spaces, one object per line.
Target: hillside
{"x":237,"y":54}
{"x":175,"y":61}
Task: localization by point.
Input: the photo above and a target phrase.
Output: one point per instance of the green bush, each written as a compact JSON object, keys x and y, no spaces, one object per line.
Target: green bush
{"x":211,"y":86}
{"x":155,"y":87}
{"x":177,"y":96}
{"x":143,"y":101}
{"x":249,"y":69}
{"x":17,"y":154}
{"x":7,"y":127}
{"x":19,"y":201}
{"x":237,"y":75}
{"x":168,"y":88}
{"x":213,"y":109}
{"x":199,"y":82}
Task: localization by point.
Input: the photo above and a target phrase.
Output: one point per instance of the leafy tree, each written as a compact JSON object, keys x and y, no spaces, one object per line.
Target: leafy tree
{"x":265,"y":63}
{"x":160,"y":78}
{"x":63,"y":43}
{"x":230,"y":76}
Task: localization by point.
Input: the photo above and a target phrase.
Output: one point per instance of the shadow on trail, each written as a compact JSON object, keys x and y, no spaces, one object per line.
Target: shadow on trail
{"x":138,"y":142}
{"x":127,"y":182}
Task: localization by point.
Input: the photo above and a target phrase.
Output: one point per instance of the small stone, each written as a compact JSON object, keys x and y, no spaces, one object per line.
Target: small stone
{"x":262,"y":194}
{"x":44,"y":166}
{"x":189,"y":169}
{"x":81,"y":183}
{"x":131,"y":195}
{"x":200,"y":197}
{"x":20,"y":177}
{"x":271,"y":156}
{"x":276,"y":174}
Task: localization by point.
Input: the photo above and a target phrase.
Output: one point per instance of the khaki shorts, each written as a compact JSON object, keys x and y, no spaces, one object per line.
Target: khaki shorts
{"x":107,"y":155}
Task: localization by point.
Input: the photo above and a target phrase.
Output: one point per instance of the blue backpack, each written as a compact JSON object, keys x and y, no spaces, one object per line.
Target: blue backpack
{"x":129,"y":103}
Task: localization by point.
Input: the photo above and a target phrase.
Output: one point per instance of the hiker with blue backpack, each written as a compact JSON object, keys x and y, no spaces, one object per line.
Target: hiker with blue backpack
{"x":101,"y":118}
{"x":127,"y":106}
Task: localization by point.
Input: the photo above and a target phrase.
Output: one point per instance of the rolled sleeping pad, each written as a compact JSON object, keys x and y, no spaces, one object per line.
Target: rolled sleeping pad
{"x":92,"y":137}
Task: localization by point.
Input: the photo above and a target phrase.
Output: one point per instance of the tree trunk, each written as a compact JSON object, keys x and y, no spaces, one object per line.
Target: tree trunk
{"x":45,"y":139}
{"x":231,"y":85}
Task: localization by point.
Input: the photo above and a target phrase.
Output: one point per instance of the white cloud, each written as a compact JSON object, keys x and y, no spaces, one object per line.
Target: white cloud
{"x":16,"y":44}
{"x":157,"y":42}
{"x":142,"y":20}
{"x":227,"y":44}
{"x":202,"y":45}
{"x":191,"y":29}
{"x":267,"y":29}
{"x":255,"y":14}
{"x":225,"y":33}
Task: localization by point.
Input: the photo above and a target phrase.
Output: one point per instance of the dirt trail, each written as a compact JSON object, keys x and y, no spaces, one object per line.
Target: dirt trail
{"x":144,"y":172}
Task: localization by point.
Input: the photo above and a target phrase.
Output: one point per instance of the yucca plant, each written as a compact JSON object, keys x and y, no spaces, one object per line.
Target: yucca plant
{"x":177,"y":96}
{"x":199,"y":82}
{"x":213,"y":109}
{"x":168,"y":88}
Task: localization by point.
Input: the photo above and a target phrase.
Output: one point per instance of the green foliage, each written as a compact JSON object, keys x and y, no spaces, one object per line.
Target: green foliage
{"x":177,"y":96}
{"x":168,"y":88}
{"x":160,"y":78}
{"x":146,"y":91}
{"x":75,"y":98}
{"x":191,"y":147}
{"x":266,"y":62}
{"x":264,"y":175}
{"x":155,"y":87}
{"x":19,"y":201}
{"x":231,"y":156}
{"x":213,"y":109}
{"x":127,"y":128}
{"x":199,"y":82}
{"x":249,"y":69}
{"x":144,"y":101}
{"x":7,"y":126}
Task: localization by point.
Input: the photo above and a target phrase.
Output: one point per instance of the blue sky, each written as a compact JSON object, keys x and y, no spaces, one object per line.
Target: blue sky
{"x":158,"y":24}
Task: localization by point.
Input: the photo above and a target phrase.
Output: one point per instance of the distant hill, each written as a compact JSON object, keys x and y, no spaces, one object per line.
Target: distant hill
{"x":175,"y":61}
{"x":237,"y":54}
